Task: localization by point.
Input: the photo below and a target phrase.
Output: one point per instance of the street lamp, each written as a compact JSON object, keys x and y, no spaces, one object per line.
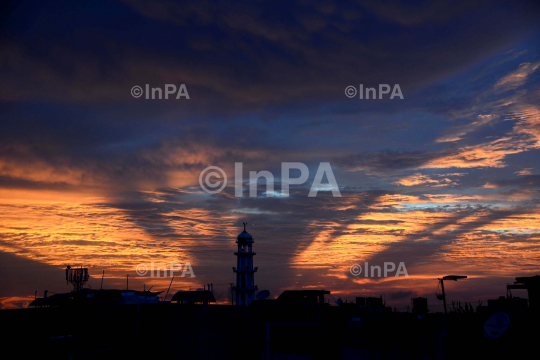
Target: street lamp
{"x":441,"y":281}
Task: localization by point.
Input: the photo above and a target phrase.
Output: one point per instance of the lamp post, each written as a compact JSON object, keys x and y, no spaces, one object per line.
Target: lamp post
{"x":448,"y":277}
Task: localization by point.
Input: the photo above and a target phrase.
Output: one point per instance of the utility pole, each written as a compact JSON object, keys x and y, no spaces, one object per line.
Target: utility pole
{"x":231,"y":293}
{"x":443,"y":295}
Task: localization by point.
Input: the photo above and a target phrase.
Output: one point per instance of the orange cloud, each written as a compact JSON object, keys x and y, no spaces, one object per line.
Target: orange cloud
{"x":15,"y":302}
{"x":517,"y":77}
{"x":419,"y":179}
{"x":527,"y":171}
{"x":60,"y":230}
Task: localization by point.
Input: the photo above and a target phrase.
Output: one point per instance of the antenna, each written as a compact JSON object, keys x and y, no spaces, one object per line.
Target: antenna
{"x":168,"y":289}
{"x":77,"y":277}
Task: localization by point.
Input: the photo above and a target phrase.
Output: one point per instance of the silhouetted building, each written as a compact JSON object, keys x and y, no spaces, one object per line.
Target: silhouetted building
{"x":294,"y":306}
{"x":245,"y":284}
{"x":97,"y":297}
{"x":303,"y":296}
{"x":507,"y":302}
{"x":194,"y":297}
{"x":532,"y":285}
{"x":370,"y":303}
{"x":420,"y":305}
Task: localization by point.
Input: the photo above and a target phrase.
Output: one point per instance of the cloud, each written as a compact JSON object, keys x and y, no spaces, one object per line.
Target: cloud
{"x":524,"y":136}
{"x":525,"y":181}
{"x":524,"y":172}
{"x":419,"y":179}
{"x":517,"y":77}
{"x":386,"y":161}
{"x":308,"y":56}
{"x":489,"y":154}
{"x":414,"y":15}
{"x":457,"y":132}
{"x":402,"y":295}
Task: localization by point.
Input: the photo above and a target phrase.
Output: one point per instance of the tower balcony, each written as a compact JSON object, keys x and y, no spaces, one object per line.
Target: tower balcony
{"x":245,"y":271}
{"x":245,"y":253}
{"x":245,"y":241}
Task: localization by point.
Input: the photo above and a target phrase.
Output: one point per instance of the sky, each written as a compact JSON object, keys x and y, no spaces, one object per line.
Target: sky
{"x":444,"y":180}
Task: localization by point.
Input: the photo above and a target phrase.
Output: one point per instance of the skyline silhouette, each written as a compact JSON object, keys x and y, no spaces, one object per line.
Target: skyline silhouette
{"x":444,"y":179}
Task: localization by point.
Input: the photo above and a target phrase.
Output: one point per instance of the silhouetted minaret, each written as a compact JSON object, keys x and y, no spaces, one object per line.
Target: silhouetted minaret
{"x":245,"y":288}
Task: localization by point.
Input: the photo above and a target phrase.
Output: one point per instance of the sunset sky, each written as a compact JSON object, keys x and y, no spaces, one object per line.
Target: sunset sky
{"x":445,"y":180}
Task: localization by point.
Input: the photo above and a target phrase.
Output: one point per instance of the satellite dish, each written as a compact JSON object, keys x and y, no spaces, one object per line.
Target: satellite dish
{"x":263,"y":294}
{"x":496,"y":325}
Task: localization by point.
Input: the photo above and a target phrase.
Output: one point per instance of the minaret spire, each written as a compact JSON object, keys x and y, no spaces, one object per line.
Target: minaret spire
{"x":245,"y":286}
